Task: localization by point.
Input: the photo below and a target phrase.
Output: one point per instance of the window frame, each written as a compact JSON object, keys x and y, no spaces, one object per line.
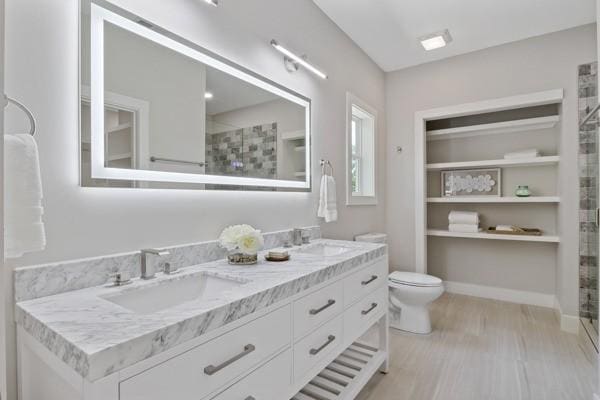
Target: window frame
{"x":359,"y":198}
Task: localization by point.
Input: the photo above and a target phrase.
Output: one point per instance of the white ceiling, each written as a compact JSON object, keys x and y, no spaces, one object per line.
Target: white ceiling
{"x":388,"y":30}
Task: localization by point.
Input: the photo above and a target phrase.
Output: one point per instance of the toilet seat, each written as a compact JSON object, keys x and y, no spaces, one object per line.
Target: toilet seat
{"x":401,"y":278}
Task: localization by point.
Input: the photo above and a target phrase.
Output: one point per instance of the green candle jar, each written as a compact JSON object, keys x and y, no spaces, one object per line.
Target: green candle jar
{"x":522,"y":191}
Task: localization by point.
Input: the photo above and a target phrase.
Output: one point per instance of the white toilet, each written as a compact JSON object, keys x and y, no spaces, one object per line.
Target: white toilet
{"x":410,"y":296}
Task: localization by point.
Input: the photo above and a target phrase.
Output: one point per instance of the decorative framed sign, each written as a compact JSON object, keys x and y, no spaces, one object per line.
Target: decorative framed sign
{"x":472,"y":182}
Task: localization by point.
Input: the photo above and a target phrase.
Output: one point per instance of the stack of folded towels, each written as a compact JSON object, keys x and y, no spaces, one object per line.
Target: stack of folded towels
{"x":463,"y":221}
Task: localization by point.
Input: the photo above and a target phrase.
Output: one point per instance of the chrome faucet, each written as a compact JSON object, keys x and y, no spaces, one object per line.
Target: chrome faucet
{"x":149,"y":257}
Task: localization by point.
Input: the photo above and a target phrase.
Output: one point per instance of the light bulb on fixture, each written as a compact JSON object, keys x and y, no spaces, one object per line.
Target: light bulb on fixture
{"x":213,"y":2}
{"x":435,"y":40}
{"x":295,"y":59}
{"x":208,"y":95}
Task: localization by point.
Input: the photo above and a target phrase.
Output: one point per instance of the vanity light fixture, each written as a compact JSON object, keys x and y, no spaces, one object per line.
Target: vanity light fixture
{"x":436,"y":40}
{"x":292,"y":60}
{"x":208,"y":95}
{"x":213,"y":2}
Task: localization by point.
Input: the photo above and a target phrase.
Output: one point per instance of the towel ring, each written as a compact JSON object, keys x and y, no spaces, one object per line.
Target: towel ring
{"x":32,"y":123}
{"x":324,"y":164}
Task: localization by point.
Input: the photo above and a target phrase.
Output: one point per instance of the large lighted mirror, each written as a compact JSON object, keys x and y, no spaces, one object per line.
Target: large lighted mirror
{"x":159,"y":111}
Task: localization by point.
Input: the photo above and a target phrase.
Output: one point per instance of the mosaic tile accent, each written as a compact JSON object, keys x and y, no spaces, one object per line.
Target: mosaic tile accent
{"x":588,"y":189}
{"x":250,"y":152}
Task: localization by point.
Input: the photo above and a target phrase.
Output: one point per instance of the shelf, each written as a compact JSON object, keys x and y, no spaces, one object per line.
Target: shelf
{"x":492,"y":236}
{"x":119,"y":128}
{"x":344,"y":378}
{"x":523,"y":162}
{"x":529,"y":124}
{"x":294,"y":135}
{"x":116,"y":157}
{"x":494,"y":200}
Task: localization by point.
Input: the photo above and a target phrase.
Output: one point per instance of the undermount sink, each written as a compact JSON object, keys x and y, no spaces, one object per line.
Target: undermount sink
{"x":325,"y":250}
{"x":151,"y":299}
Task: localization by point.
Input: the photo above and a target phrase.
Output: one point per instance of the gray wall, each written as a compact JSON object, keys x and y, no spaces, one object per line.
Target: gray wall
{"x":535,"y":64}
{"x":4,"y":273}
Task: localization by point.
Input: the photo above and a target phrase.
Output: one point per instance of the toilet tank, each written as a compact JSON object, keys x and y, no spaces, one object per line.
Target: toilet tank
{"x":372,"y":238}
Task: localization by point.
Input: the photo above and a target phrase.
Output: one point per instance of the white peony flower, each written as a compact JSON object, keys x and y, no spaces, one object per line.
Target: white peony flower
{"x":250,"y":243}
{"x":244,"y":237}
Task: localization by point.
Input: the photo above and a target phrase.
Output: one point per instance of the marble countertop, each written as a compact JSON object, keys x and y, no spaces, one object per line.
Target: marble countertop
{"x":97,"y":337}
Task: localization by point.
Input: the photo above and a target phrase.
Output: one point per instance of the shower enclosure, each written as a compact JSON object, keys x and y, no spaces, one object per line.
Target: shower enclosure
{"x":588,"y":200}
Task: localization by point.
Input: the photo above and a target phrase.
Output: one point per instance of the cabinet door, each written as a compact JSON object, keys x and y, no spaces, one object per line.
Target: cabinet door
{"x":365,"y":281}
{"x":315,"y":309}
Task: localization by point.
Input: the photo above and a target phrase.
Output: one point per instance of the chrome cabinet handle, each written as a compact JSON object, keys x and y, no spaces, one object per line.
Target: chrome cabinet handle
{"x":326,"y":306}
{"x":211,"y":369}
{"x":250,"y":398}
{"x":373,"y":306}
{"x":330,"y":339}
{"x":365,"y":283}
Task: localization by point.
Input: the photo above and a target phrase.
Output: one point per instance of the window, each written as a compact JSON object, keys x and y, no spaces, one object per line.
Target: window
{"x":361,"y":145}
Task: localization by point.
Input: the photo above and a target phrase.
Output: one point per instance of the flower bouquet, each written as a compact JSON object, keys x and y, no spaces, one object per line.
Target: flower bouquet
{"x":243,"y":243}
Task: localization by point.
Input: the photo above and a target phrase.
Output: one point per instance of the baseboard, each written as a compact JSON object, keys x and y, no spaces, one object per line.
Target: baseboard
{"x":496,"y":293}
{"x":568,"y":323}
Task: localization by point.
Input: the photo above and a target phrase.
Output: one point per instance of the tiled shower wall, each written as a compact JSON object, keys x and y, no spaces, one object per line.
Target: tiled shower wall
{"x":248,"y":152}
{"x":588,"y":189}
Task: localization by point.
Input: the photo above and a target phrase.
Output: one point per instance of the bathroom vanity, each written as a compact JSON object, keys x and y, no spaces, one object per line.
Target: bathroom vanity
{"x":272,"y":331}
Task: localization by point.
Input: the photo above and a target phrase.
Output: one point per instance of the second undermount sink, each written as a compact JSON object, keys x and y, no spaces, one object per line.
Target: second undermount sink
{"x":165,"y":295}
{"x":325,"y":250}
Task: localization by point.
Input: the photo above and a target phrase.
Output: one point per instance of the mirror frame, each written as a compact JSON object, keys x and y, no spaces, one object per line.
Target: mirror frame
{"x":99,"y":15}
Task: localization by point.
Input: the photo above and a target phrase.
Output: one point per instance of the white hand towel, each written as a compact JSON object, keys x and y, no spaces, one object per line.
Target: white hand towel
{"x":463,"y":217}
{"x":530,"y":153}
{"x":24,"y":229}
{"x":327,"y":199}
{"x":467,"y":228}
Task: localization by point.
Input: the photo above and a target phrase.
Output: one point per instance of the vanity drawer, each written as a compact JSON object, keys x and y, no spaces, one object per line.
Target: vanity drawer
{"x":317,"y":308}
{"x":366,"y":280}
{"x":206,"y":368}
{"x":269,"y":382}
{"x":363,"y":314}
{"x":317,"y":346}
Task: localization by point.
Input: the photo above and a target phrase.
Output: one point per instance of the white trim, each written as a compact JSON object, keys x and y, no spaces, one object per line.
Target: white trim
{"x":493,"y":236}
{"x":99,"y":16}
{"x":568,"y":323}
{"x":352,"y":100}
{"x":493,"y":199}
{"x":506,"y":163}
{"x":502,"y":294}
{"x":421,"y":117}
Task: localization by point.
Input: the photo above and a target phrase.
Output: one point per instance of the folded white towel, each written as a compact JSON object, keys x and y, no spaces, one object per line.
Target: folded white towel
{"x":505,"y":228}
{"x":463,"y":217}
{"x":468,"y":228}
{"x":23,"y":229}
{"x":327,"y":199}
{"x":529,"y":153}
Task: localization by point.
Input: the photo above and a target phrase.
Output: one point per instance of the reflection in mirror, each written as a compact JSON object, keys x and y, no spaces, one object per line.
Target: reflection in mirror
{"x":168,"y":111}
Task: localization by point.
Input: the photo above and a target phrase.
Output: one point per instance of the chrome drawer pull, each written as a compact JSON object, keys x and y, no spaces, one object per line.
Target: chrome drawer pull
{"x":330,"y":339}
{"x":326,"y":306}
{"x":211,"y":369}
{"x":250,"y":398}
{"x":365,"y":283}
{"x":373,"y":306}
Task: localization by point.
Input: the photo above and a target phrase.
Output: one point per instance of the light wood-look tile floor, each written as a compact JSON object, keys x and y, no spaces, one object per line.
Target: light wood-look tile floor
{"x":487,"y":350}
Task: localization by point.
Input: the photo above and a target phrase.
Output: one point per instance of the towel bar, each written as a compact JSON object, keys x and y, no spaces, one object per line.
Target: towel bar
{"x":32,"y":123}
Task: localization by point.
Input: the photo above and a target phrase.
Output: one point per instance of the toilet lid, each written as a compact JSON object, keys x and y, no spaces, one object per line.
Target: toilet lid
{"x":414,"y":279}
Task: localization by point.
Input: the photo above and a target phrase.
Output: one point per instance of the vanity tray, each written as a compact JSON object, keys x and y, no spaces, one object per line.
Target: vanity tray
{"x":517,"y":231}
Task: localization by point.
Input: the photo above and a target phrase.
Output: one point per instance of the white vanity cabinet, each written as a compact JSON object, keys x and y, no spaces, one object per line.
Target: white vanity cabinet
{"x":309,"y":343}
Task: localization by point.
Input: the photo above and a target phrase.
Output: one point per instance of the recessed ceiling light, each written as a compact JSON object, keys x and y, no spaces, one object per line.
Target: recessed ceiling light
{"x":208,"y":95}
{"x":297,"y":59}
{"x":212,"y":2}
{"x":436,"y":40}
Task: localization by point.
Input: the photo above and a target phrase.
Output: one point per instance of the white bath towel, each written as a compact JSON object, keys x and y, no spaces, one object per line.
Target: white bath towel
{"x":24,"y":229}
{"x":463,"y":217}
{"x":327,"y":199}
{"x":529,"y":153}
{"x":468,"y":228}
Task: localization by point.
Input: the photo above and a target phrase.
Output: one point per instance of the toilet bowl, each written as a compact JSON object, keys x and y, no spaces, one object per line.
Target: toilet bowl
{"x":410,"y":296}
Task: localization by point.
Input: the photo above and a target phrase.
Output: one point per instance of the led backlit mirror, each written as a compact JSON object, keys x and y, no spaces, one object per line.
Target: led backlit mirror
{"x":160,"y":112}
